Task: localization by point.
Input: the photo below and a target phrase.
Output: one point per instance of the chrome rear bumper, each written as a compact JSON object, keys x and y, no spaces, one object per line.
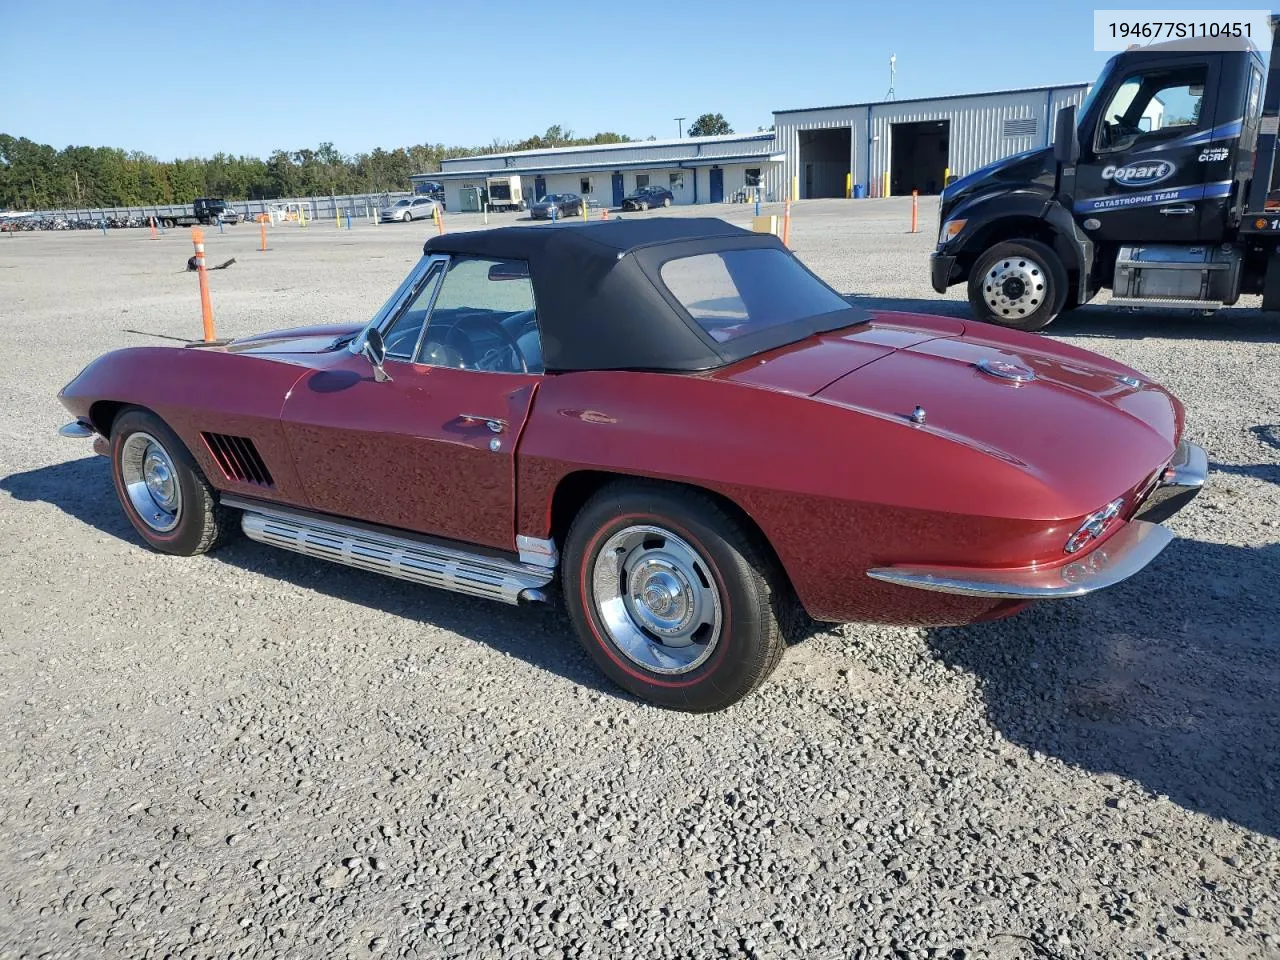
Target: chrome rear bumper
{"x":1178,"y":485}
{"x":1118,"y":558}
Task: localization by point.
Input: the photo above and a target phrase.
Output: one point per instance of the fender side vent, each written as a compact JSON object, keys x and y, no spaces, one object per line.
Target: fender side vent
{"x":238,"y":458}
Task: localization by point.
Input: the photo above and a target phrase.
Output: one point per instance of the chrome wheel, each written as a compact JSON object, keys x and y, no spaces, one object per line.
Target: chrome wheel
{"x":1014,"y":287}
{"x":657,"y":599}
{"x":151,"y":481}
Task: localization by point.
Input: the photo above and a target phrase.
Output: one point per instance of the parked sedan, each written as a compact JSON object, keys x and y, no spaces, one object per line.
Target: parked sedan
{"x":407,"y":209}
{"x":564,"y":205}
{"x":646,"y":197}
{"x":701,"y":440}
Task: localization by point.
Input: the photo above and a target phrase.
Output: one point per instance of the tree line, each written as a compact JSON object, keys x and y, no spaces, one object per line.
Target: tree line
{"x":36,"y":176}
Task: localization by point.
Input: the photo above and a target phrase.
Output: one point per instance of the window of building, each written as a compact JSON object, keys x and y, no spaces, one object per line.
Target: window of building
{"x":584,"y":186}
{"x":751,"y":176}
{"x":642,"y":180}
{"x":677,"y":181}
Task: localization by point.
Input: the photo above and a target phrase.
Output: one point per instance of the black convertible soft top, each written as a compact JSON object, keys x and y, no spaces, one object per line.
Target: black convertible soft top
{"x":601,"y":302}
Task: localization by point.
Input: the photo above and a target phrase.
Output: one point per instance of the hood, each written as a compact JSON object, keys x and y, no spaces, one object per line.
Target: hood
{"x":1032,"y":168}
{"x":314,"y":339}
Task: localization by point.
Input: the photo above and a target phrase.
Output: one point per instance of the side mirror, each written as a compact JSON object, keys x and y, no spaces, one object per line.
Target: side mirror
{"x":374,"y":349}
{"x":1066,"y":148}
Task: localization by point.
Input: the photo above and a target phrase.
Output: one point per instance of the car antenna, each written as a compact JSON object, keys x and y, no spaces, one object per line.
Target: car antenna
{"x":162,"y":336}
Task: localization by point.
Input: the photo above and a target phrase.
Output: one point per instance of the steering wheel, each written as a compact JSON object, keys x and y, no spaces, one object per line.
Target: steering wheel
{"x":400,"y":342}
{"x":494,"y":328}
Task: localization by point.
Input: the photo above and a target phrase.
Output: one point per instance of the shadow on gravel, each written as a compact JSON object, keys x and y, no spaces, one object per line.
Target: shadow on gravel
{"x":541,"y":635}
{"x":1170,"y":680}
{"x":1242,"y":326}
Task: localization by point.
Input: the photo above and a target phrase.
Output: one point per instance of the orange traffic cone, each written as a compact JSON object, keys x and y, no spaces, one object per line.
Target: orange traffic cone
{"x":604,"y":213}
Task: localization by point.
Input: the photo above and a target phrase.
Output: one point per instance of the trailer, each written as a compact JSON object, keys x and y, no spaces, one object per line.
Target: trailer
{"x":504,"y":193}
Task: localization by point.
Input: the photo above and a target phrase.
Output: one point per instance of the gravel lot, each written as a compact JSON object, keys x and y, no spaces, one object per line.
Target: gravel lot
{"x":256,"y":754}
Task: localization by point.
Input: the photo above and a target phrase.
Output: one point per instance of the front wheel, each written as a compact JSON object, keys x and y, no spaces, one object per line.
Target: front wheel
{"x":1020,"y":284}
{"x":162,"y":489}
{"x":674,"y":598}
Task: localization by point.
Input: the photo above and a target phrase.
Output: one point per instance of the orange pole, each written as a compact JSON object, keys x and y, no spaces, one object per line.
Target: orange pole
{"x":915,"y":202}
{"x":262,"y":225}
{"x":206,"y":306}
{"x":439,"y":220}
{"x":152,"y":221}
{"x":786,"y":224}
{"x":604,"y":213}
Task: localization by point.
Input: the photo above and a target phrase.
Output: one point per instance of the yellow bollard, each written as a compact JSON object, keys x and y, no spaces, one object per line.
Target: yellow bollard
{"x":795,"y":189}
{"x":206,"y":306}
{"x":848,"y":185}
{"x":438,"y":217}
{"x":337,"y":217}
{"x":584,"y":209}
{"x":886,"y":184}
{"x":786,"y":224}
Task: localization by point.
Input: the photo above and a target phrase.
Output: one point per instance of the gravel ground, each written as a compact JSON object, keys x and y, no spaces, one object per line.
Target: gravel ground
{"x":256,"y":754}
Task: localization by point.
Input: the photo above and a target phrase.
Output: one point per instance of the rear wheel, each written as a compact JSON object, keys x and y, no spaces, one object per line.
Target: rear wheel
{"x":1020,"y":284}
{"x":162,"y":489}
{"x":666,"y":201}
{"x":675,"y":600}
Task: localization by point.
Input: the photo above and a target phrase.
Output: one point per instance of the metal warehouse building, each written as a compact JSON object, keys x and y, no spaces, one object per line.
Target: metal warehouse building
{"x":896,"y":146}
{"x":876,"y":149}
{"x":694,"y":169}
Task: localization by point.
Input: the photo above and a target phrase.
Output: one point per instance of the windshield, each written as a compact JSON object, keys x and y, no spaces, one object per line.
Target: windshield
{"x":551,"y":198}
{"x":734,"y":293}
{"x":1097,"y":85}
{"x":402,"y":203}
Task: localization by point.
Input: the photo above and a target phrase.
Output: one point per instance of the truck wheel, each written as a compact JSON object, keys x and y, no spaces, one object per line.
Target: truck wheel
{"x":1018,"y":283}
{"x":164,"y":494}
{"x":673,"y":598}
{"x":170,"y":224}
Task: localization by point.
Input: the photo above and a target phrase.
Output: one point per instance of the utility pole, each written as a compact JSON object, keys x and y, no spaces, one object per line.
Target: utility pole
{"x":679,"y":128}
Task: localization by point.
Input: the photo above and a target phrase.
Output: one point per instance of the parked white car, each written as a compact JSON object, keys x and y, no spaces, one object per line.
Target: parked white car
{"x":408,"y":208}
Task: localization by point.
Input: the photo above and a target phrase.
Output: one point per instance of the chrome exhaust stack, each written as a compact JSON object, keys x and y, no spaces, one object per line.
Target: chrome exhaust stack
{"x":403,"y":558}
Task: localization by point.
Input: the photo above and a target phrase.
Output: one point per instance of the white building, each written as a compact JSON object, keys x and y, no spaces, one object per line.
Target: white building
{"x":893,"y":147}
{"x":871,"y":149}
{"x":694,"y":169}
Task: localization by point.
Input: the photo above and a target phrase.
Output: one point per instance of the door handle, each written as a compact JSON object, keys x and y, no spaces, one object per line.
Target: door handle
{"x":1183,"y":210}
{"x":493,"y":423}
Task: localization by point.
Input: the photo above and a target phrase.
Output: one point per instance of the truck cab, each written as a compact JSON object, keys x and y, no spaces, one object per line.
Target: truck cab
{"x":1147,"y":191}
{"x":209,"y":209}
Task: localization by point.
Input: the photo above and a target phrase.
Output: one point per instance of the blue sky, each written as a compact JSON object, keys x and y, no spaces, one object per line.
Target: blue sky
{"x":184,"y":79}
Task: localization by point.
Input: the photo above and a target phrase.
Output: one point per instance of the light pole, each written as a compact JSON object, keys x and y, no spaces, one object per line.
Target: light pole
{"x":679,"y":128}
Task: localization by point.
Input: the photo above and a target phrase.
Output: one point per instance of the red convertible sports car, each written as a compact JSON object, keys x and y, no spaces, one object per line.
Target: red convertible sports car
{"x":675,"y":420}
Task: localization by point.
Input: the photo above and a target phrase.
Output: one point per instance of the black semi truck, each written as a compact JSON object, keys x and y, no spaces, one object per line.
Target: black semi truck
{"x":1164,"y":190}
{"x":206,"y":210}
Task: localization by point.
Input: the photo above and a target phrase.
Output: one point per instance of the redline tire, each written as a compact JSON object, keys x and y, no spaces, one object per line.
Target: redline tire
{"x":726,"y":571}
{"x":197,"y":524}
